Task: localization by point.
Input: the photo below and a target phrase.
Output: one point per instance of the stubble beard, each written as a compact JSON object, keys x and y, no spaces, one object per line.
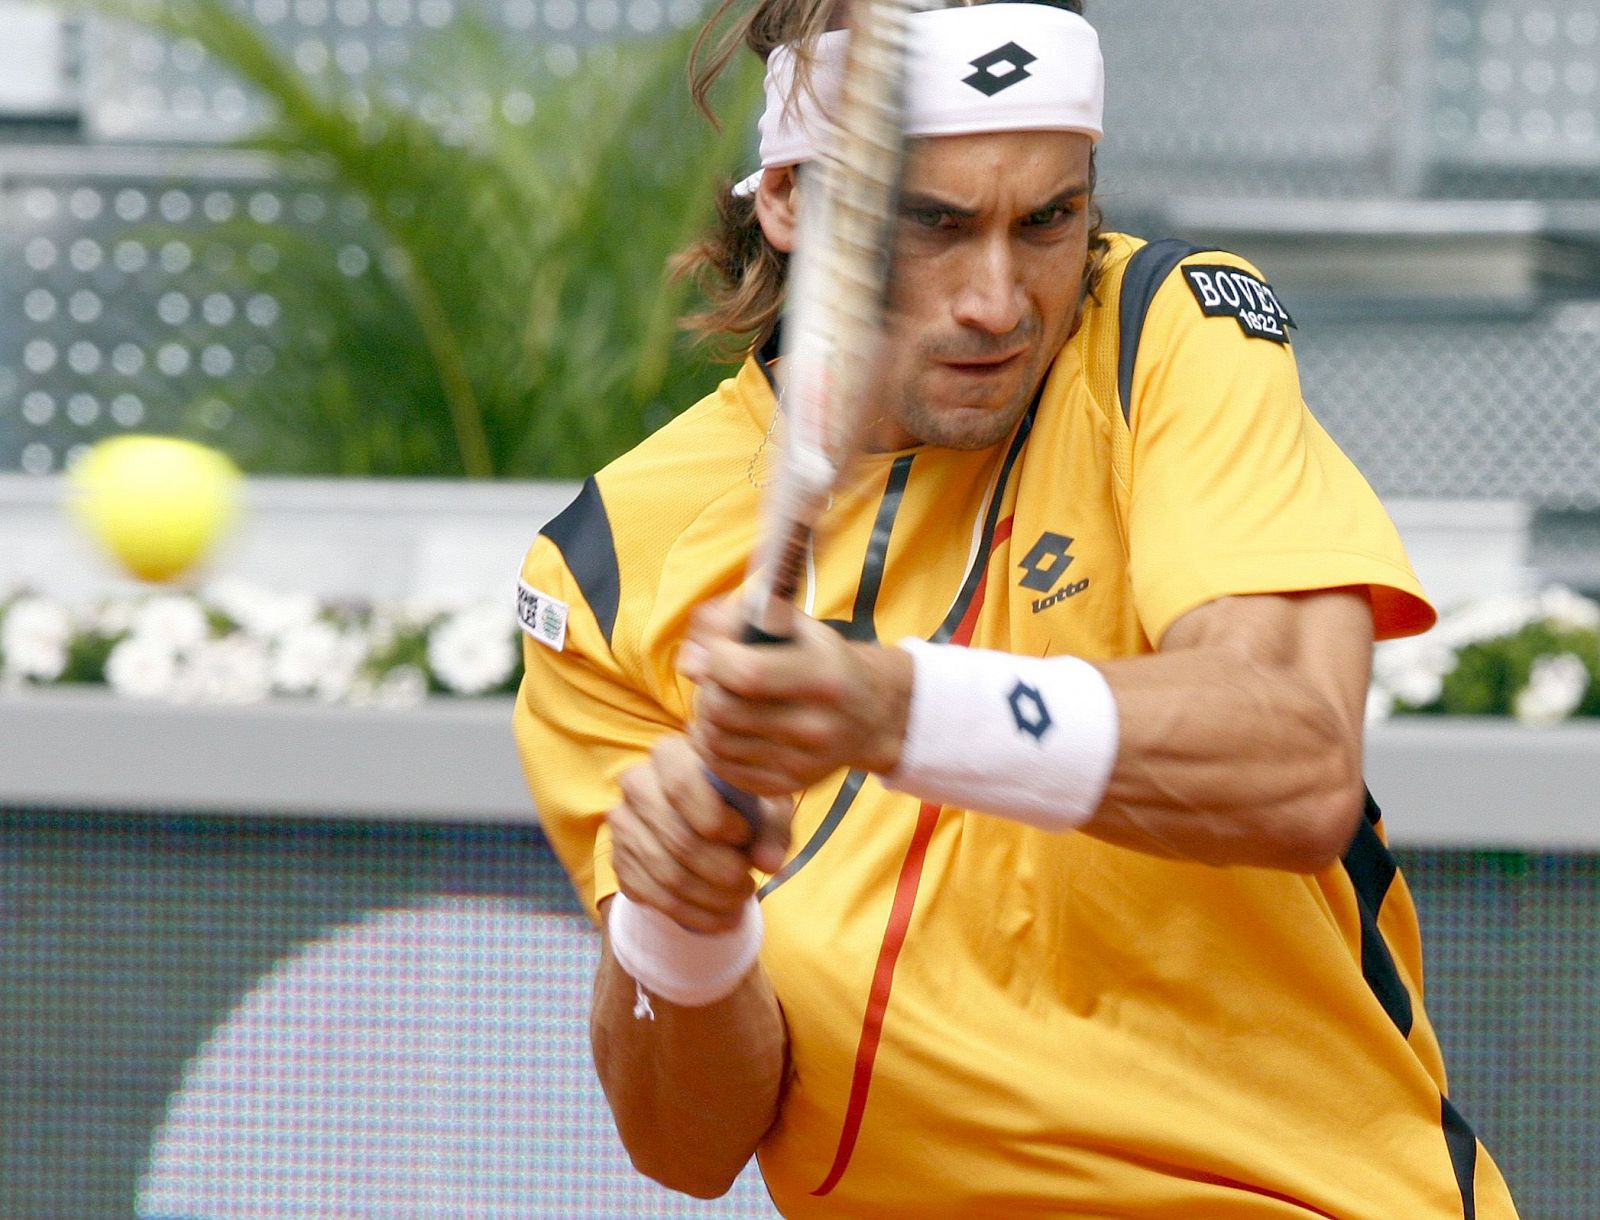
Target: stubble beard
{"x":951,"y":426}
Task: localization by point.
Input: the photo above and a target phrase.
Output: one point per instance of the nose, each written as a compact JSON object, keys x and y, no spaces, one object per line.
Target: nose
{"x":992,"y":299}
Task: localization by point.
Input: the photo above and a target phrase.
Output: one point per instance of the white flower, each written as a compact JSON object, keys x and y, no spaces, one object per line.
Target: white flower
{"x":142,"y":667}
{"x":402,"y":686}
{"x":473,"y":651}
{"x":231,"y":670}
{"x":1380,"y":703}
{"x":419,"y":612}
{"x":336,"y":682}
{"x":34,"y":639}
{"x":1489,"y":619}
{"x":173,"y":620}
{"x":306,"y":657}
{"x":1413,"y":670}
{"x":260,"y":611}
{"x":381,"y":632}
{"x":1555,"y":688}
{"x":1568,"y":611}
{"x":115,"y":617}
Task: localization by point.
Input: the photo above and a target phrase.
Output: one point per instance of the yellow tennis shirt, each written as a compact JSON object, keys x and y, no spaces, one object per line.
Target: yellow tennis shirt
{"x":987,"y":1020}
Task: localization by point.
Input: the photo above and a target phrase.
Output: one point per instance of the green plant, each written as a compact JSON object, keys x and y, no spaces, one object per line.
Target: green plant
{"x":517,"y":320}
{"x":1535,"y":657}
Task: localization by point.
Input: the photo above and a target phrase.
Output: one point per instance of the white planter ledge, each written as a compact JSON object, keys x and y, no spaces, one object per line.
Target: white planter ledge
{"x":449,"y":760}
{"x":1441,"y":782}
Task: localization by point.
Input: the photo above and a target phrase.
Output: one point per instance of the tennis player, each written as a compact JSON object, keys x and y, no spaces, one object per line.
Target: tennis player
{"x":1069,"y":901}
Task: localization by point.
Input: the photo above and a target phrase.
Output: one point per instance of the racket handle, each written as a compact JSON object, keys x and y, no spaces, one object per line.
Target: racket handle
{"x":746,"y":804}
{"x":755,"y":635}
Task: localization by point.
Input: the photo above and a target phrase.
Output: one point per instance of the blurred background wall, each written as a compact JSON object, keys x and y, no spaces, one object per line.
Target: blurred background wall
{"x":422,"y":239}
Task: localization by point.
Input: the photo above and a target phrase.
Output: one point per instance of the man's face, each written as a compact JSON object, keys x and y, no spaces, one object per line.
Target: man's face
{"x":989,"y":262}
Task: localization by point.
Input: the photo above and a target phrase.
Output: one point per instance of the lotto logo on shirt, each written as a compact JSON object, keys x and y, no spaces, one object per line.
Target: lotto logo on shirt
{"x":1227,"y":292}
{"x":1044,"y":566}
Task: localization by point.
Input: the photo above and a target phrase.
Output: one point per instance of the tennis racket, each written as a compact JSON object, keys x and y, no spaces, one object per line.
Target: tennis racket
{"x":833,"y":319}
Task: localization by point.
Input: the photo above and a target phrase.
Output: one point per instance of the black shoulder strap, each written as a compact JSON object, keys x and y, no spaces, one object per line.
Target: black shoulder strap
{"x":1146,"y":271}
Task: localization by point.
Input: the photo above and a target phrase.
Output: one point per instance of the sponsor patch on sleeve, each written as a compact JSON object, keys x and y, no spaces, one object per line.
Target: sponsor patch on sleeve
{"x":542,"y":616}
{"x":1228,"y":292}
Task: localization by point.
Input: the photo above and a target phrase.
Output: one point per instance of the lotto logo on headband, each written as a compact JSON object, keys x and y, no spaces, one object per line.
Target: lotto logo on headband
{"x":988,"y":82}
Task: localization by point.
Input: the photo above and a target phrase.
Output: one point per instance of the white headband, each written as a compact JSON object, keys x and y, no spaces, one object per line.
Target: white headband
{"x":985,"y":67}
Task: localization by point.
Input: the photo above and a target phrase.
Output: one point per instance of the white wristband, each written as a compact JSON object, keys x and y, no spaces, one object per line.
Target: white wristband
{"x":1028,"y":738}
{"x":683,"y":967}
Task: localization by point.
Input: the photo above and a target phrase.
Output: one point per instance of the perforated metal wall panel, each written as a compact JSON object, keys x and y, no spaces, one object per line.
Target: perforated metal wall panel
{"x":144,"y":87}
{"x":1257,"y":98}
{"x":1496,"y":408}
{"x":134,"y":294}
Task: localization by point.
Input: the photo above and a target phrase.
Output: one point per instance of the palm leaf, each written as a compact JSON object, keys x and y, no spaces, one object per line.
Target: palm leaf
{"x":517,"y":320}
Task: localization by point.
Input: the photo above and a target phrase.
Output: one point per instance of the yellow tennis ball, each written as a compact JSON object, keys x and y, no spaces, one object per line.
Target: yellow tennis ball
{"x":156,"y":503}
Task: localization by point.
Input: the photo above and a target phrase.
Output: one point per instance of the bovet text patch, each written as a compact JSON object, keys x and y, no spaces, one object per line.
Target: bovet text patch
{"x":1224,"y":291}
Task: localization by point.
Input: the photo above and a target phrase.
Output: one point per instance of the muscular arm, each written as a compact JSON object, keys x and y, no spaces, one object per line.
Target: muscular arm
{"x":1239,"y":742}
{"x":693,"y":1090}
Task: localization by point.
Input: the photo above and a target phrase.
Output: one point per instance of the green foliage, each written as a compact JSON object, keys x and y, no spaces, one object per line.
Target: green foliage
{"x":1489,"y":675}
{"x":518,"y":320}
{"x":87,"y":653}
{"x":1486,"y":677}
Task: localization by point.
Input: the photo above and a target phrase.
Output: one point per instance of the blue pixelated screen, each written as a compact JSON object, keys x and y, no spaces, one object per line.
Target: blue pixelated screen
{"x":253,"y":1019}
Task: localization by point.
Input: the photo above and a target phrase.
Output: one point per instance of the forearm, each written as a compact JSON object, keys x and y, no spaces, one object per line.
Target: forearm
{"x":1226,"y":759}
{"x":692,"y":1090}
{"x":1238,"y":743}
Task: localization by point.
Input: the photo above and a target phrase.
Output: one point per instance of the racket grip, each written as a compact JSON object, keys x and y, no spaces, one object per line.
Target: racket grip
{"x":755,"y":635}
{"x":747,"y":805}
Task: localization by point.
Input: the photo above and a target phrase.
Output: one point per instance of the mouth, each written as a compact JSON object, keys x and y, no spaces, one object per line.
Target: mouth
{"x":980,"y":365}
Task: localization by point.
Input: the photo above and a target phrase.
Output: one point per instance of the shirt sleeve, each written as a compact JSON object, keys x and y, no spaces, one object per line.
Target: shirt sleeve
{"x":1235,"y":488}
{"x":580,"y":722}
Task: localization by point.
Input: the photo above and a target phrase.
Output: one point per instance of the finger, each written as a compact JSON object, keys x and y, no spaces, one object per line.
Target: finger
{"x":646,"y":891}
{"x":719,"y":619}
{"x":754,"y":767}
{"x":647,"y":870}
{"x":741,"y":724}
{"x":771,"y":845}
{"x":812,"y":668}
{"x":687,"y":791}
{"x":660,"y":826}
{"x":734,"y":713}
{"x":693,"y":661}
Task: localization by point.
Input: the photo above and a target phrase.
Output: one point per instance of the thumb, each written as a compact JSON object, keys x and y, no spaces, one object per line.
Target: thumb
{"x":770,"y":847}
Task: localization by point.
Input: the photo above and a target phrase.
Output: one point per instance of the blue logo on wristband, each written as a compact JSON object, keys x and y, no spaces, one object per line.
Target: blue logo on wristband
{"x":1029,"y":711}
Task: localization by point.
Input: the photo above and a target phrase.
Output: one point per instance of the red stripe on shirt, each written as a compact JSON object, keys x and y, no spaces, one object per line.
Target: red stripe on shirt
{"x":894,"y":935}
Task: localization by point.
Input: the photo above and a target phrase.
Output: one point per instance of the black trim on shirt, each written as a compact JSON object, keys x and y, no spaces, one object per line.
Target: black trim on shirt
{"x":765,"y":355}
{"x":1463,"y":1146}
{"x":1372,"y":870}
{"x":861,"y":625}
{"x":582,"y":532}
{"x":851,"y":788}
{"x":1146,"y":271}
{"x":970,"y":586}
{"x":841,"y":802}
